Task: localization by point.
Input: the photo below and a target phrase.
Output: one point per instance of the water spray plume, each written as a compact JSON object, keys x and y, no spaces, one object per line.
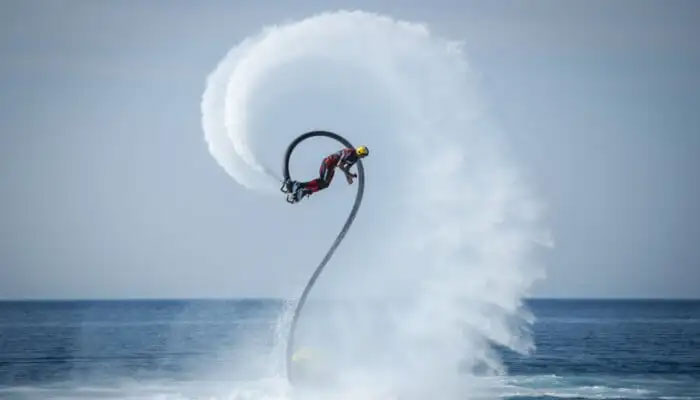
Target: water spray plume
{"x":451,"y":228}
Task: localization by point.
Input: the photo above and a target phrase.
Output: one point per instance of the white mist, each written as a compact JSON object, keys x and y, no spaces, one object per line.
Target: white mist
{"x":434,"y":271}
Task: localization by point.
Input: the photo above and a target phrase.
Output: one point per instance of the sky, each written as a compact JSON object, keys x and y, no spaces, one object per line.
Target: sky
{"x":107,"y":189}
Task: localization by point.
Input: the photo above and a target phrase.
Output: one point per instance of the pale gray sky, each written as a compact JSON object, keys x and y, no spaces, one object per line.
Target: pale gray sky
{"x":107,"y":188}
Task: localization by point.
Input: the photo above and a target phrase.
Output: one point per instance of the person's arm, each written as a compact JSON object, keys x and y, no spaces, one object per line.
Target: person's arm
{"x":346,"y":169}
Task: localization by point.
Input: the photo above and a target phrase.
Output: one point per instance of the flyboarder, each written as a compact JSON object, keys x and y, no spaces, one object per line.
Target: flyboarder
{"x":343,"y":159}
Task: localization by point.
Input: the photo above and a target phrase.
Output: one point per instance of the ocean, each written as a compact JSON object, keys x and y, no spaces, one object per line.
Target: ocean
{"x":211,"y":349}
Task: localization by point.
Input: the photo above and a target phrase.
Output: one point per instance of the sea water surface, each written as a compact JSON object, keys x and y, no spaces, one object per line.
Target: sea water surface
{"x":587,"y":349}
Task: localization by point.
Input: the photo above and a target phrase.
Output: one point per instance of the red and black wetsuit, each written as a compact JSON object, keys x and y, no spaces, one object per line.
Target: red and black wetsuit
{"x":345,"y":159}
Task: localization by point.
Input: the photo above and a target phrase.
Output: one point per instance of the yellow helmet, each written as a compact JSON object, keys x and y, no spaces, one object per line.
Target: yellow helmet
{"x":362,"y":151}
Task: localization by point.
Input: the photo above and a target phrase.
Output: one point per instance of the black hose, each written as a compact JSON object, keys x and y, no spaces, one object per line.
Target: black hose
{"x":338,"y":239}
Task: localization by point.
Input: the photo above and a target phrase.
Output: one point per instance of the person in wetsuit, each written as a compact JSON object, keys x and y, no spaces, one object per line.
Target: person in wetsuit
{"x":343,"y":159}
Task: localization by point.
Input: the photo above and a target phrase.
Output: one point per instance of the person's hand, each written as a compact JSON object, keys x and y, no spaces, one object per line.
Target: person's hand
{"x":349,"y":178}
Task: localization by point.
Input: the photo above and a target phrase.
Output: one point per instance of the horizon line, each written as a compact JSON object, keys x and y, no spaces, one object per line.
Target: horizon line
{"x":269,"y":298}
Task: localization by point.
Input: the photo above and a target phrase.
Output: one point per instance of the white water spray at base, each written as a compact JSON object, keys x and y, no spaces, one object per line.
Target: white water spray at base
{"x":449,"y":227}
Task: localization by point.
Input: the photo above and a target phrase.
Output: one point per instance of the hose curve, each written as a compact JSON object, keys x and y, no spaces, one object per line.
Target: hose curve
{"x":336,"y":243}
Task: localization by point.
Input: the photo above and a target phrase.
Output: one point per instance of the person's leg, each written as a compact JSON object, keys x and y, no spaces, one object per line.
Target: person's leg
{"x":325,"y":176}
{"x":326,"y":173}
{"x":312,"y":185}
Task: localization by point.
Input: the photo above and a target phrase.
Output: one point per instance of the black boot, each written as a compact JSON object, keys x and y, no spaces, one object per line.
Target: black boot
{"x":300,"y":193}
{"x":288,"y":186}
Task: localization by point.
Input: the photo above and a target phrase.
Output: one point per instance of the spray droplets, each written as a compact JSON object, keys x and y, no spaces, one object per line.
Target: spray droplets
{"x":452,"y":224}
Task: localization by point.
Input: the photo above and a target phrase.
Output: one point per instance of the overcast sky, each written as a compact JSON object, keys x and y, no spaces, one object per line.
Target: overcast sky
{"x":107,"y":188}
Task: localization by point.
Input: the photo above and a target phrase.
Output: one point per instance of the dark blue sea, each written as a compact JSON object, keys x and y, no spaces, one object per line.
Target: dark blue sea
{"x":205,"y":349}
